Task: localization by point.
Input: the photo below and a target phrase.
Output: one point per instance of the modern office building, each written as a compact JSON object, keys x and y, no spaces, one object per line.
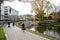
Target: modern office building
{"x":8,"y":13}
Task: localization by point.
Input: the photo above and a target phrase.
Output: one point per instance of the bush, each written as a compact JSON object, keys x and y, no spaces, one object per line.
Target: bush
{"x":41,"y":27}
{"x":58,"y":29}
{"x":37,"y":28}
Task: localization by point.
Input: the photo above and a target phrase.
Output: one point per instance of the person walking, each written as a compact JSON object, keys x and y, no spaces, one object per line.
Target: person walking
{"x":8,"y":24}
{"x":13,"y":23}
{"x":23,"y":27}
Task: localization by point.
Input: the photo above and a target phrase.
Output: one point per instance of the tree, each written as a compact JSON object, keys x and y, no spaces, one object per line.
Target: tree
{"x":49,"y":17}
{"x":38,"y":6}
{"x":44,"y":17}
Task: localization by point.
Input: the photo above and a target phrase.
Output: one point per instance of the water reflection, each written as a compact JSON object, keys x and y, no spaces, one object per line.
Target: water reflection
{"x":33,"y":29}
{"x":49,"y":33}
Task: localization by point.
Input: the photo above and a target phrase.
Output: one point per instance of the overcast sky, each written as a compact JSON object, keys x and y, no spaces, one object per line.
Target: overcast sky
{"x":55,"y":2}
{"x":25,"y":8}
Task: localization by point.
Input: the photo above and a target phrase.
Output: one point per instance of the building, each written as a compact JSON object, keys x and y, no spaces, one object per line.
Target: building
{"x":13,"y":14}
{"x":8,"y":13}
{"x":0,"y":7}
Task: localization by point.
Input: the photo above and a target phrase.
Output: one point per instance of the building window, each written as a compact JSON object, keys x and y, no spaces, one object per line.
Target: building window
{"x":5,"y":16}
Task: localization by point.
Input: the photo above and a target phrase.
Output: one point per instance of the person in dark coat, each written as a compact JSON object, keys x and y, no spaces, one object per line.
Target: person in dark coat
{"x":23,"y":27}
{"x":8,"y":24}
{"x":13,"y":23}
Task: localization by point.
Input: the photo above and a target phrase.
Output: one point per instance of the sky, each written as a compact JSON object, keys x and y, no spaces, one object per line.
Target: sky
{"x":21,"y":7}
{"x":55,"y":2}
{"x":25,"y":8}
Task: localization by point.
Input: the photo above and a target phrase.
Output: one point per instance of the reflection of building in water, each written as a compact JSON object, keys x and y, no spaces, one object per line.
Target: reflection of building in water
{"x":8,"y":13}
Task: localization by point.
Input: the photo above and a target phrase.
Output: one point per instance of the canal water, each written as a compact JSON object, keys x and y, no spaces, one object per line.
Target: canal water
{"x":49,"y":33}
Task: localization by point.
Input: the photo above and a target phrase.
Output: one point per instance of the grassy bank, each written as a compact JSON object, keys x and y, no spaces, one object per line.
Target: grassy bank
{"x":17,"y":24}
{"x":2,"y":34}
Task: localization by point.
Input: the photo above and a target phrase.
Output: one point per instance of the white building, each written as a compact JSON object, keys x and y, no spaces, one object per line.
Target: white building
{"x":7,"y":12}
{"x":13,"y":14}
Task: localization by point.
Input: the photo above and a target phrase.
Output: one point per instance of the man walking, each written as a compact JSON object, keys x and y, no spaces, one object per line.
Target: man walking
{"x":23,"y":27}
{"x":8,"y":24}
{"x":13,"y":23}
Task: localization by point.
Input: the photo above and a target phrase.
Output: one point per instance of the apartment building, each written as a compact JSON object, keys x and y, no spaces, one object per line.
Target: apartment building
{"x":8,"y":13}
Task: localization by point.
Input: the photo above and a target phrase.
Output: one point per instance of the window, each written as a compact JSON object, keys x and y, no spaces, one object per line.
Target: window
{"x":5,"y":7}
{"x":5,"y":11}
{"x":5,"y":16}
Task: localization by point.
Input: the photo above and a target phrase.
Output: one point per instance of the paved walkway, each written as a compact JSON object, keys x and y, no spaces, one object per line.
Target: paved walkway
{"x":14,"y":33}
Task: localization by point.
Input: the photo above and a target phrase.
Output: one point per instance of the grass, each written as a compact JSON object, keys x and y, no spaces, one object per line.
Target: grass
{"x":2,"y":34}
{"x":40,"y":34}
{"x":17,"y":24}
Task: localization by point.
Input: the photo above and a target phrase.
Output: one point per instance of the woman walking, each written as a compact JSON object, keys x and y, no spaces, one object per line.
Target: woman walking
{"x":23,"y":27}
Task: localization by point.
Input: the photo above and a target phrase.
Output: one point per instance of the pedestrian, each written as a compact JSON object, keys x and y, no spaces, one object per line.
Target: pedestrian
{"x":8,"y":24}
{"x":23,"y":27}
{"x":13,"y":23}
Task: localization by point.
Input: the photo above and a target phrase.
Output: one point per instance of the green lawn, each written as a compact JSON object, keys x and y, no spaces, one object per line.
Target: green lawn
{"x":2,"y":35}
